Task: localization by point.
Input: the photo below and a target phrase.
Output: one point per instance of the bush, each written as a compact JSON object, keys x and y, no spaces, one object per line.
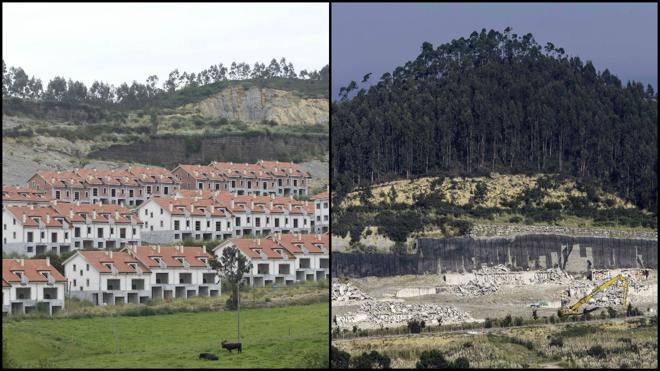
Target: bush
{"x":556,"y":342}
{"x":507,"y":321}
{"x":612,"y":312}
{"x":488,"y":323}
{"x":518,"y":321}
{"x":597,"y":351}
{"x":516,"y":219}
{"x":414,"y":326}
{"x":460,"y":362}
{"x":370,"y":360}
{"x":433,"y":359}
{"x":339,"y":358}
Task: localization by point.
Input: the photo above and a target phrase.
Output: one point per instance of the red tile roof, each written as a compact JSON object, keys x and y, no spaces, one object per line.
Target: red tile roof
{"x":191,"y":254}
{"x":120,"y":214}
{"x":119,"y":259}
{"x":16,"y":193}
{"x":31,"y":268}
{"x":314,"y":243}
{"x":48,"y":215}
{"x":321,"y":196}
{"x":251,"y":248}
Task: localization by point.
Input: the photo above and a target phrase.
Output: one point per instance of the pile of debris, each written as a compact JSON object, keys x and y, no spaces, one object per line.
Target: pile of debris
{"x":344,"y":293}
{"x":613,"y":295}
{"x":488,"y":280}
{"x":553,"y":275}
{"x":392,"y":314}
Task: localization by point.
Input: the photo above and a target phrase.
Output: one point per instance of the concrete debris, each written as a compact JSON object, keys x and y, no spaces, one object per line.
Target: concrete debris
{"x":345,"y":293}
{"x":488,"y":280}
{"x":391,"y":314}
{"x":613,"y":295}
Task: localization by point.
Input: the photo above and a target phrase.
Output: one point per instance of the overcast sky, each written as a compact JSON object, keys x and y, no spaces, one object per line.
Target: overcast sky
{"x":379,"y":37}
{"x":121,"y":42}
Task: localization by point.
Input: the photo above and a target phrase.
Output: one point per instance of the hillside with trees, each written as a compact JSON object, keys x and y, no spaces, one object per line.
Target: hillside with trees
{"x":179,"y":88}
{"x":497,"y":102}
{"x":64,"y":123}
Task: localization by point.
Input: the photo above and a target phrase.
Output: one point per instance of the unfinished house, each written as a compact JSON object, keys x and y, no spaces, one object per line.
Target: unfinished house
{"x":24,"y":196}
{"x":107,"y":277}
{"x":312,"y":252}
{"x":128,"y":186}
{"x":261,"y":179}
{"x":321,"y":212}
{"x":31,"y":285}
{"x":100,"y":226}
{"x":178,"y":271}
{"x":30,"y":230}
{"x":272,"y":265}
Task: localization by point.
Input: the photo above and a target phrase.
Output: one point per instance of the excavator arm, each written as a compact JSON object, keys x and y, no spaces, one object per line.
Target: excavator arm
{"x":574,"y":309}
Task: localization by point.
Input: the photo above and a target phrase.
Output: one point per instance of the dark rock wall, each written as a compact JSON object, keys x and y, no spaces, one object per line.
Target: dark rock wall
{"x":171,"y":152}
{"x":575,"y":254}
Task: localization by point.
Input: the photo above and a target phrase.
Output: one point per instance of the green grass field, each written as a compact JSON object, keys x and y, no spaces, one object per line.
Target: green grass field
{"x":295,"y":336}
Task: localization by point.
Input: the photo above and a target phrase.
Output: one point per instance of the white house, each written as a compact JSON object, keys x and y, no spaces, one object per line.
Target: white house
{"x":221,"y":215}
{"x":312,"y":252}
{"x":107,"y":277}
{"x":170,"y":219}
{"x":271,"y":263}
{"x":30,"y":230}
{"x":178,"y":271}
{"x":321,"y":212}
{"x":30,"y":283}
{"x":63,"y":226}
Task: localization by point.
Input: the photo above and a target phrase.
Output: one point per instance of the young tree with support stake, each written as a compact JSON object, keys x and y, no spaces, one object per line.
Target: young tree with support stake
{"x":231,"y":267}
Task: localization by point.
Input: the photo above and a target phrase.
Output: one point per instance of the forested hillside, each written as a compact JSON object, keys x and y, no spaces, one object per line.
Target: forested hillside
{"x":498,"y":102}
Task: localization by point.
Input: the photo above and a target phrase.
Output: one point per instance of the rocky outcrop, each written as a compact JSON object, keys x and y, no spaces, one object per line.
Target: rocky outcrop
{"x":527,"y":252}
{"x":511,"y":230}
{"x":256,"y":104}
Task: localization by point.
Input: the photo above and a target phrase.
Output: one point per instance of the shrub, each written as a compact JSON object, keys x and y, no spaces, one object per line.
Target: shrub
{"x":516,"y":219}
{"x":414,"y":326}
{"x":596,"y":351}
{"x":556,"y":342}
{"x":488,"y":323}
{"x":433,"y":359}
{"x":460,"y":362}
{"x":518,"y":321}
{"x":507,"y":321}
{"x":611,"y":312}
{"x":339,"y":358}
{"x":370,"y":360}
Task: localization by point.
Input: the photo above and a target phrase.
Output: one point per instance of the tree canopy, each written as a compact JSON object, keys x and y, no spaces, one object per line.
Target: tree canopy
{"x":498,"y":102}
{"x":17,"y":83}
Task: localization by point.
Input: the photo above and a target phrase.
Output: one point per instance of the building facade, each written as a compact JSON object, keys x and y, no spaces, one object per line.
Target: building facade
{"x":31,"y":284}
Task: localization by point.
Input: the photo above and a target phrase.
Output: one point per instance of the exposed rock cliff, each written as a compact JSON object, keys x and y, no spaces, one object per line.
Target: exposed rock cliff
{"x":256,"y":104}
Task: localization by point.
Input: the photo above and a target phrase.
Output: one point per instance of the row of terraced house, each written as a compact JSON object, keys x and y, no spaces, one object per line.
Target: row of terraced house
{"x":61,"y":227}
{"x":59,"y":211}
{"x":134,"y":185}
{"x":136,"y":274}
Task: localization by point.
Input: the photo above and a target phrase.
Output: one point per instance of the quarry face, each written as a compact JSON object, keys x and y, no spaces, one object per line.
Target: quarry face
{"x":454,"y":285}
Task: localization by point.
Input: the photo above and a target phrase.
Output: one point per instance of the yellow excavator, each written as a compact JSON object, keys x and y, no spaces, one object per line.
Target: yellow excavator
{"x":574,"y":309}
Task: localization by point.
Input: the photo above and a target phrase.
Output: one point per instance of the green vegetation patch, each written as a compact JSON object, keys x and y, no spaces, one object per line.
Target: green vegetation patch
{"x":295,"y":336}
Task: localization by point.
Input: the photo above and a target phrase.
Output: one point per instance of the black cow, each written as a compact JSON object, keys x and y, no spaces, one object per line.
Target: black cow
{"x":230,"y":346}
{"x":208,"y":356}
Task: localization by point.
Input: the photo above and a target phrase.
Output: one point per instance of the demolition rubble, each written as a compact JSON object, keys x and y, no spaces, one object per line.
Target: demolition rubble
{"x":346,"y":293}
{"x":488,"y":280}
{"x":391,"y":314}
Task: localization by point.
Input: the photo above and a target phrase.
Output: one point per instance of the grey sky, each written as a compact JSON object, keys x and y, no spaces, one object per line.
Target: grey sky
{"x":379,"y":37}
{"x":122,"y":42}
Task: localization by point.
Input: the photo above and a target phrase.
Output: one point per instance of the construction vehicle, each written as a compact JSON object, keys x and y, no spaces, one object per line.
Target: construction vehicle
{"x":574,"y":309}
